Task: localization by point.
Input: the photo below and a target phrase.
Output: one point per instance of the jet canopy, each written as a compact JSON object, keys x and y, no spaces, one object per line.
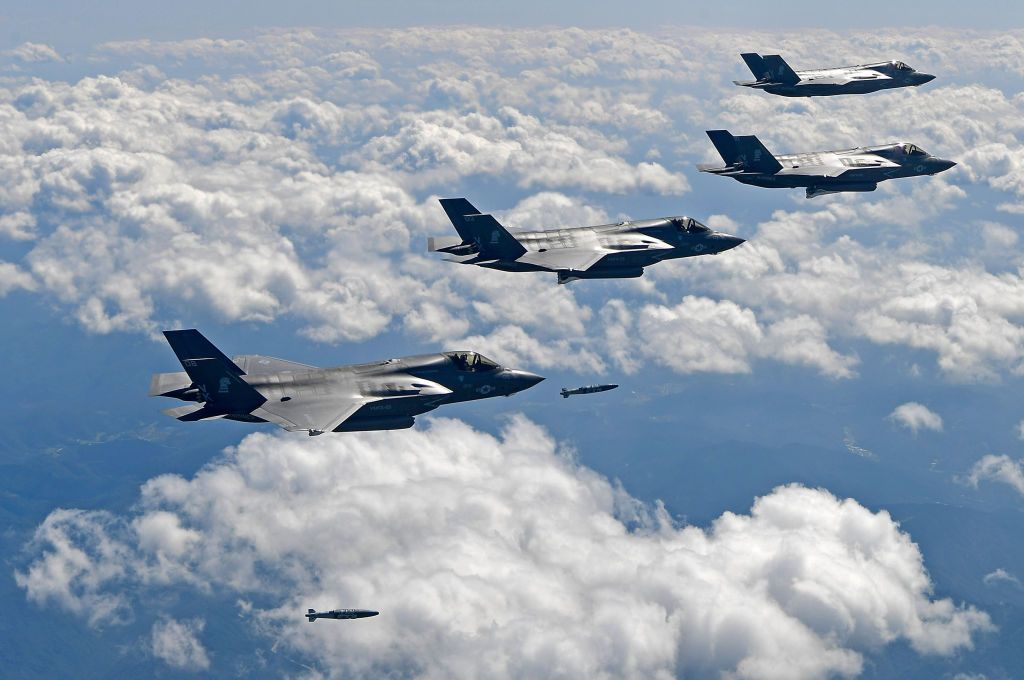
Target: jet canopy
{"x":910,"y":150}
{"x":689,"y":225}
{"x":472,"y":362}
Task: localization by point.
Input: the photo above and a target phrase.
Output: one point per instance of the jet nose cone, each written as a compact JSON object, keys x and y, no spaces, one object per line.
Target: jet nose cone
{"x":923,"y":78}
{"x":729,"y":242}
{"x":942,"y":165}
{"x":366,"y":613}
{"x":521,"y":380}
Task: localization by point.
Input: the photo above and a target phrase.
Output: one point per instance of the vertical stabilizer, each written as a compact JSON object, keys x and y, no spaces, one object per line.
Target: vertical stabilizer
{"x":779,"y":71}
{"x":756,"y":64}
{"x":218,"y":379}
{"x":745,"y":152}
{"x":493,"y":240}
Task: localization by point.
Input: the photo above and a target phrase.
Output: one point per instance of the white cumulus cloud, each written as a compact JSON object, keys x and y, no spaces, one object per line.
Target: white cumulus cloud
{"x":501,"y":557}
{"x":295,"y":177}
{"x":30,"y":52}
{"x":916,"y":417}
{"x":1000,"y":576}
{"x":1001,"y":469}
{"x":177,"y":644}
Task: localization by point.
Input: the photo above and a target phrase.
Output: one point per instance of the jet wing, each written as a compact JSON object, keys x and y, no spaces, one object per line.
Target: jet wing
{"x":319,"y":413}
{"x":818,"y":170}
{"x":849,"y":78}
{"x":316,"y":413}
{"x":582,"y":259}
{"x":256,"y":364}
{"x":845,"y":78}
{"x":575,"y":259}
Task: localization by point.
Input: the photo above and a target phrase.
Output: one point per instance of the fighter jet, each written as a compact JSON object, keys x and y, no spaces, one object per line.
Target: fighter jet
{"x":774,"y":75}
{"x":608,"y":251}
{"x":312,"y":615}
{"x":588,"y":389}
{"x":821,"y":172}
{"x":384,"y":395}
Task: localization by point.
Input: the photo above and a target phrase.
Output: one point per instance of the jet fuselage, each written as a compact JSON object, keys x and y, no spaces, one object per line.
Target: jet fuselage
{"x":860,"y":79}
{"x":382,"y":395}
{"x":620,"y":250}
{"x":820,"y":172}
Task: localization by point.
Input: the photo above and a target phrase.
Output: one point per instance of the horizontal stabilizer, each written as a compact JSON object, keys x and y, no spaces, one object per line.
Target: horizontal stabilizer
{"x":443,"y":243}
{"x":190,"y":412}
{"x":169,"y":384}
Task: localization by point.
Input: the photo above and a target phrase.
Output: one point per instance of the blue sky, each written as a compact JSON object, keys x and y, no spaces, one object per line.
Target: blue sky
{"x":821,"y":427}
{"x":23,"y":20}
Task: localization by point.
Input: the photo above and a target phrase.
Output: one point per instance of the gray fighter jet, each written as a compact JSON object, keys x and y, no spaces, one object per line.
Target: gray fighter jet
{"x":821,"y":172}
{"x":312,"y":615}
{"x":609,"y":251}
{"x":384,"y":395}
{"x":774,"y":75}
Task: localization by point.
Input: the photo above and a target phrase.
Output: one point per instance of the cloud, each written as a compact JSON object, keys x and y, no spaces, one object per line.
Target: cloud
{"x":916,"y":417}
{"x":704,"y":335}
{"x":31,"y":53}
{"x":177,"y":644}
{"x":83,"y":560}
{"x":440,"y":147}
{"x":500,"y":556}
{"x":13,"y":278}
{"x":1000,"y":576}
{"x":294,"y":178}
{"x":998,"y":469}
{"x":810,"y":263}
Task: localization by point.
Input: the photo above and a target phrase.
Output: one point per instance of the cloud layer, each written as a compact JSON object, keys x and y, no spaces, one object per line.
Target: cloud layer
{"x":499,"y":557}
{"x":292,"y":175}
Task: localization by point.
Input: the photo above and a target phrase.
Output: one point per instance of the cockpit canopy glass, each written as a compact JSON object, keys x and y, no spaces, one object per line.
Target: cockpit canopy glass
{"x":472,"y":362}
{"x":900,"y":66}
{"x":911,"y":150}
{"x":689,"y":225}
